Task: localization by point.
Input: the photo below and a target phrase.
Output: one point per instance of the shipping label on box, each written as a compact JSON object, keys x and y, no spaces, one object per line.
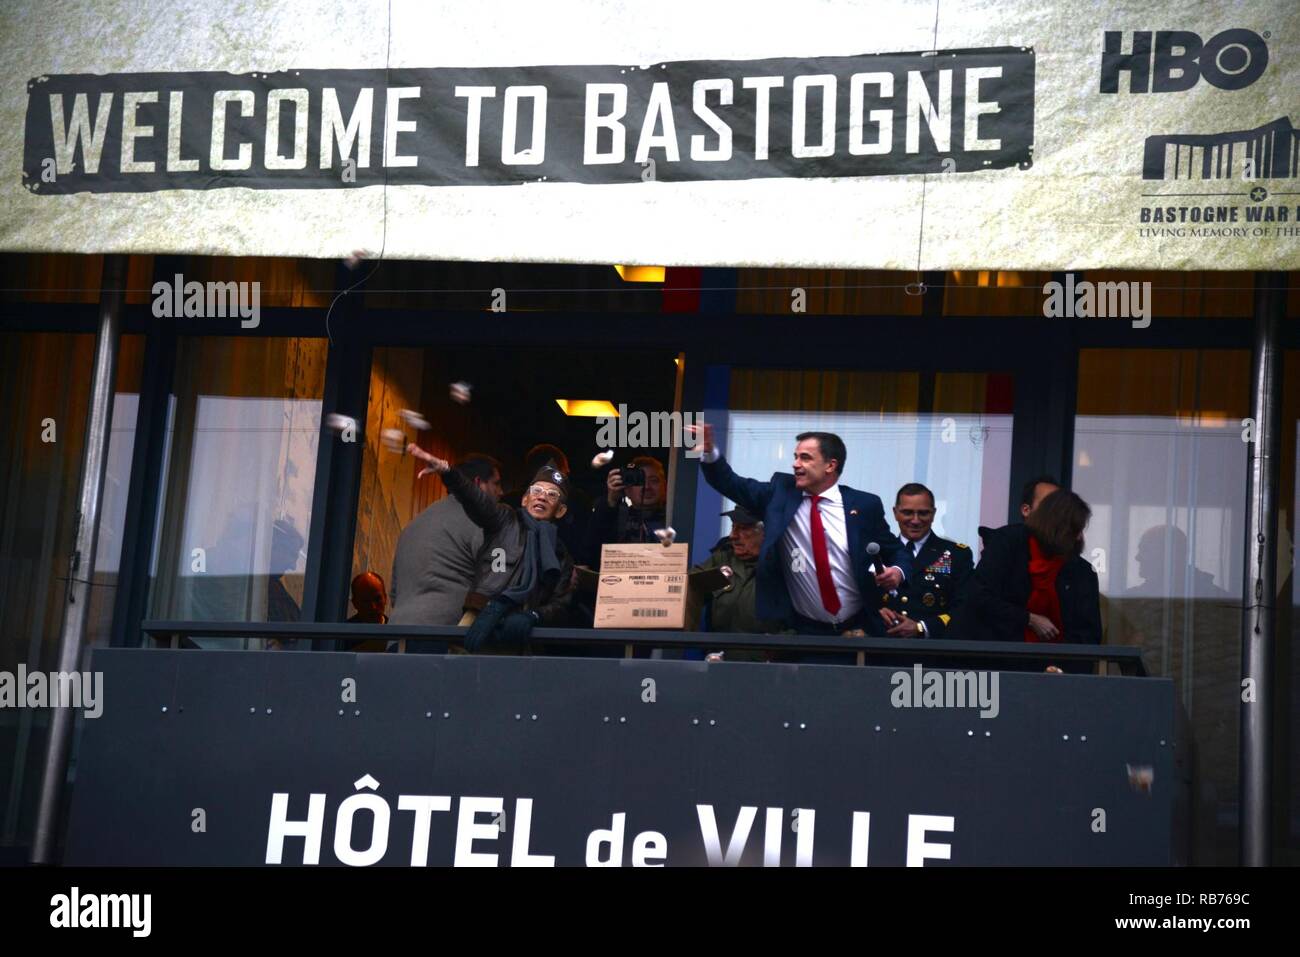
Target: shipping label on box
{"x":642,"y":586}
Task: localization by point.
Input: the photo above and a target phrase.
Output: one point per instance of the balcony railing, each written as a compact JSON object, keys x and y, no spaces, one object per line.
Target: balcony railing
{"x":885,"y":651}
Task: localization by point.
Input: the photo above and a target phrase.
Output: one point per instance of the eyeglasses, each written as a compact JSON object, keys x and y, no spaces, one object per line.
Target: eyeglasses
{"x":541,"y":491}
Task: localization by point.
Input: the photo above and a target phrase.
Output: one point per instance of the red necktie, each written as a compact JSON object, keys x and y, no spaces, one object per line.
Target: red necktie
{"x":830,"y":600}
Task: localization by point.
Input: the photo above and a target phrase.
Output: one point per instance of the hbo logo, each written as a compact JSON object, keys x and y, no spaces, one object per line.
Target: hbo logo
{"x":1230,"y":60}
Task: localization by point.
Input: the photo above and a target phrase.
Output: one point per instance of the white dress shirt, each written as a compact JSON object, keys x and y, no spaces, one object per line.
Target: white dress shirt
{"x":804,"y":592}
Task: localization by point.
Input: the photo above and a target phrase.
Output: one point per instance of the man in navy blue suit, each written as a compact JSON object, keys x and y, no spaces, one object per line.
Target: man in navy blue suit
{"x":814,"y":571}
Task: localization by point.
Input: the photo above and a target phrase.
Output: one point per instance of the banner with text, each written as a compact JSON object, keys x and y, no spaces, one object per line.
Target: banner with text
{"x":898,"y":135}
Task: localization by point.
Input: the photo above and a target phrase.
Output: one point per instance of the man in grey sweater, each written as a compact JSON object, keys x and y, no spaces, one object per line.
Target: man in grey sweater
{"x":438,"y":555}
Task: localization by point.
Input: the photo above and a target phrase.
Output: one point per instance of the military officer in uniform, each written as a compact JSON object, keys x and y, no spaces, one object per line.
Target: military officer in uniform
{"x":930,"y":598}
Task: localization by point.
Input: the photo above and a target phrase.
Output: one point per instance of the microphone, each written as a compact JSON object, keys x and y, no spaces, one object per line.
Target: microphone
{"x":873,"y":549}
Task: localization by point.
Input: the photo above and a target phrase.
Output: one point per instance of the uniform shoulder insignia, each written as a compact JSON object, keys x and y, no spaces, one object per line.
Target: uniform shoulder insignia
{"x":961,"y":545}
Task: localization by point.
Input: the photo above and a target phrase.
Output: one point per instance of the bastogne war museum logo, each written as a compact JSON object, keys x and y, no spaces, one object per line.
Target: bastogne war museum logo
{"x":1232,"y":204}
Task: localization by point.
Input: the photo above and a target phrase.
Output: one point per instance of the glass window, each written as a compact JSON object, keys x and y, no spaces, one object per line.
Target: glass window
{"x":239,"y":470}
{"x":1159,"y":456}
{"x":67,"y":278}
{"x":45,"y":390}
{"x":987,"y":293}
{"x":117,"y":484}
{"x":512,"y":408}
{"x":858,"y":292}
{"x":297,"y":283}
{"x":408,"y":284}
{"x":949,"y":431}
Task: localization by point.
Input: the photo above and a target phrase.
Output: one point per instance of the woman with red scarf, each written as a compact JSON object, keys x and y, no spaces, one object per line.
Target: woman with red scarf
{"x":1031,"y":583}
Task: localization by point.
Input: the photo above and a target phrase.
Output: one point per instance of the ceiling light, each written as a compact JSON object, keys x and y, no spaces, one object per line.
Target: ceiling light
{"x":641,"y":273}
{"x":588,"y":408}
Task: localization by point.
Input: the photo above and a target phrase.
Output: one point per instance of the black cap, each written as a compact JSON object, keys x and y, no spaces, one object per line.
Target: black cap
{"x":549,"y":473}
{"x":742,"y":516}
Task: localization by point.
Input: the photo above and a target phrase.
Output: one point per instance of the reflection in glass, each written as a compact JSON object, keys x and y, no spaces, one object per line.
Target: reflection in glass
{"x":45,"y":392}
{"x":241,"y":455}
{"x":1160,"y":458}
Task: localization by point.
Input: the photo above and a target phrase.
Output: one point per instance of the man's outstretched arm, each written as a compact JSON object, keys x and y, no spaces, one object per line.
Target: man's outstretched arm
{"x":482,"y":509}
{"x":748,"y":493}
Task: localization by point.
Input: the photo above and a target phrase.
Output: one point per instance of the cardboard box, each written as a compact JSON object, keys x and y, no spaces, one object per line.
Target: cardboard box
{"x":642,"y":586}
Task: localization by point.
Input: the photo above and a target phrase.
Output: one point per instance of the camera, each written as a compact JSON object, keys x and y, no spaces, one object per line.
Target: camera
{"x":633,"y":475}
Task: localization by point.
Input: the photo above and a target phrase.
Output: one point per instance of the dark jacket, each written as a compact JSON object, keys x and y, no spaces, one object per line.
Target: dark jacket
{"x":998,"y":593}
{"x":620,"y":524}
{"x":936,"y":589}
{"x":777,"y":500}
{"x":504,"y":537}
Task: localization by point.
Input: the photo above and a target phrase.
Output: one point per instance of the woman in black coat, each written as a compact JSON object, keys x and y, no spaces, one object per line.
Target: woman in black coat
{"x":1032,"y":584}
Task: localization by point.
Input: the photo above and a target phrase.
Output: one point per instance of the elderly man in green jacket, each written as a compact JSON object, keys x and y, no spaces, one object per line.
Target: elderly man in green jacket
{"x":731,"y":608}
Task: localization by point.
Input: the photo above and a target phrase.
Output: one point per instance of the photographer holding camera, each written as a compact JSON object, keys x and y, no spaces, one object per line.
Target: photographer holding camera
{"x":632,"y":509}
